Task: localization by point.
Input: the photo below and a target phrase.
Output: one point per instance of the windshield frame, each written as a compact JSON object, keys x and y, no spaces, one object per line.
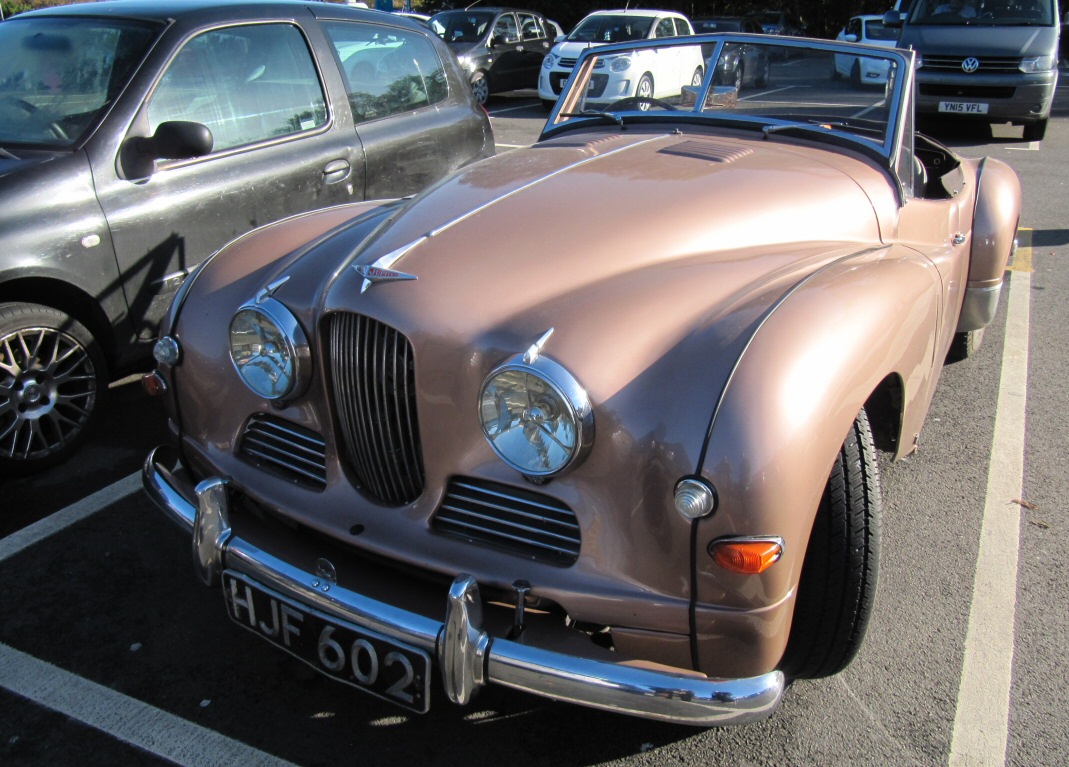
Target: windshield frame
{"x":899,"y":93}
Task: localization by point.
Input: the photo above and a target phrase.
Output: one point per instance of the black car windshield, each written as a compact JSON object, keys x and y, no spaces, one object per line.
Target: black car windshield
{"x":461,"y":26}
{"x":59,"y":74}
{"x":612,"y":29}
{"x":994,"y":12}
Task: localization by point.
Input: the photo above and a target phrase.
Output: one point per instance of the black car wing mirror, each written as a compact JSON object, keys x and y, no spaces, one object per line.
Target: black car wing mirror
{"x":173,"y":140}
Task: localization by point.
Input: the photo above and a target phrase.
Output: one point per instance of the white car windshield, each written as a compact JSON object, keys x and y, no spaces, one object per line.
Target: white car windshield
{"x":612,"y":29}
{"x":992,"y":12}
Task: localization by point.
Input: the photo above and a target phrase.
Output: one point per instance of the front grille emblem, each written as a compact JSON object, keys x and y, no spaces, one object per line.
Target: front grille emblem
{"x":970,"y":64}
{"x":375,"y":274}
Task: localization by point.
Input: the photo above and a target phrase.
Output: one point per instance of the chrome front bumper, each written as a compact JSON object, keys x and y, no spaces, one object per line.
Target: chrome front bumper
{"x":467,"y":656}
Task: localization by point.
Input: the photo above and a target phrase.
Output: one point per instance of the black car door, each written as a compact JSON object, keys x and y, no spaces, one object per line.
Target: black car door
{"x":278,"y":149}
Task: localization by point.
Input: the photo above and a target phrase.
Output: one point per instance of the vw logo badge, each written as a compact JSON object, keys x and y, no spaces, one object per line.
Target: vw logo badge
{"x":970,"y":64}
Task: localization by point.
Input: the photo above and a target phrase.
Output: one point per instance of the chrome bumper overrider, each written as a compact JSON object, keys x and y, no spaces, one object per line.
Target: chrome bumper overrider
{"x":467,"y":656}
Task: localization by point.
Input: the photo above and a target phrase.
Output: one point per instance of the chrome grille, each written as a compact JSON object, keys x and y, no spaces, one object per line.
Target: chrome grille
{"x":296,"y":451}
{"x":511,"y":518}
{"x":372,"y":382}
{"x":988,"y":64}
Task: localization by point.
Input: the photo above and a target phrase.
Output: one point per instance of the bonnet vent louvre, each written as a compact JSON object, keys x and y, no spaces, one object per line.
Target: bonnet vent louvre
{"x":703,"y":150}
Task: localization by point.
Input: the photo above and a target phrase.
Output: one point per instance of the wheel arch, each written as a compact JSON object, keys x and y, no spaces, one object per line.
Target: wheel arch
{"x":68,"y":298}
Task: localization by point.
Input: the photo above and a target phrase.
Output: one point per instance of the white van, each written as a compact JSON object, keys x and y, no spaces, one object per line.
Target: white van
{"x":990,"y":60}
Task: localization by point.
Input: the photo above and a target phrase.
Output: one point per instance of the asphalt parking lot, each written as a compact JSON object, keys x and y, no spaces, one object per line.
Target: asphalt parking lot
{"x":111,"y":653}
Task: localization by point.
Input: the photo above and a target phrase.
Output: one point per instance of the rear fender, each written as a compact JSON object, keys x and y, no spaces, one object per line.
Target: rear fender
{"x":997,"y":212}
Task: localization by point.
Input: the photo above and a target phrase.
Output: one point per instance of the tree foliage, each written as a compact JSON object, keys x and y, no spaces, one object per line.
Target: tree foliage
{"x":823,"y":18}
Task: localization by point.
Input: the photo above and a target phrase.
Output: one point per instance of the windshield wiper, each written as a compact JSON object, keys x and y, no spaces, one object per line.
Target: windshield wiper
{"x":7,"y":154}
{"x":611,"y":116}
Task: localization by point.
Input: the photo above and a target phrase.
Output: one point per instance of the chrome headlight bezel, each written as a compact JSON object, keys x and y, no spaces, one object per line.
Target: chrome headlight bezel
{"x":574,"y":404}
{"x":292,"y":354}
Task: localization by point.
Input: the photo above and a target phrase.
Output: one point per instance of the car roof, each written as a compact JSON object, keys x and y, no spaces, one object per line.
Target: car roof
{"x":636,"y":12}
{"x":167,"y":9}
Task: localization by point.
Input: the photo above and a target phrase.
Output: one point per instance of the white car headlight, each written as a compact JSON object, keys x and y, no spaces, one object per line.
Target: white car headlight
{"x":549,"y":61}
{"x":1037,"y":64}
{"x":620,"y":64}
{"x":269,"y":349}
{"x":536,"y":416}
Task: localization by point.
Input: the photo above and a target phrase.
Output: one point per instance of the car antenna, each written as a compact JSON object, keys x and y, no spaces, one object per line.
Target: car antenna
{"x":469,"y":7}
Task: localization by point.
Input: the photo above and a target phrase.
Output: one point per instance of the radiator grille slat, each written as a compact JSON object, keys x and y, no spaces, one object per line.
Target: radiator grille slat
{"x":286,"y":447}
{"x":510,"y":518}
{"x":372,"y":375}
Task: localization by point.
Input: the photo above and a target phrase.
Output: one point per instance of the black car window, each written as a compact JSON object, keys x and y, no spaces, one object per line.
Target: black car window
{"x":246,"y":83}
{"x":387,"y":70}
{"x":531,"y":27}
{"x":59,"y":75}
{"x":461,"y":26}
{"x":505,"y":29}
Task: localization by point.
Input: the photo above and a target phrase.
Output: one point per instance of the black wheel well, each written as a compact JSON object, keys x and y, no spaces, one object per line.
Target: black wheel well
{"x":67,"y":298}
{"x":884,"y":409}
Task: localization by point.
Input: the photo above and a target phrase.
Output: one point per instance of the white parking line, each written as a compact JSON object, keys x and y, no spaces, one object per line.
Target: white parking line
{"x":124,"y":718}
{"x":88,"y":506}
{"x":981,"y":720}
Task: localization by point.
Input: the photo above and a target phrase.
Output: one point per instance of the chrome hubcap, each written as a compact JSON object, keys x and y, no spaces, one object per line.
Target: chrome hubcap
{"x":47,"y":392}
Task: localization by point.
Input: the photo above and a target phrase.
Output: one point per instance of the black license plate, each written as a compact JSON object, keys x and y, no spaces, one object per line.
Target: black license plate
{"x":341,"y":650}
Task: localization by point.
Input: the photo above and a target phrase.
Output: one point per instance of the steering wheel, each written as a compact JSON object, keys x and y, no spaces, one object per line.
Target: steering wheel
{"x":54,"y":127}
{"x":642,"y":102}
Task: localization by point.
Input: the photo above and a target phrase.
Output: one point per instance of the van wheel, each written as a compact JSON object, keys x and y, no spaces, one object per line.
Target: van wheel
{"x":839,"y":573}
{"x":965,"y":345}
{"x":52,"y":375}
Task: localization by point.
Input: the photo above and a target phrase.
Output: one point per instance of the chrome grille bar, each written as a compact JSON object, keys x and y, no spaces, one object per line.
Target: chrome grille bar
{"x":287,"y":447}
{"x":373,"y":388}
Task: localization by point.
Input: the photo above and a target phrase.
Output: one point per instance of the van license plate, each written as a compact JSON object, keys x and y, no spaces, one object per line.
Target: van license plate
{"x":963,"y":107}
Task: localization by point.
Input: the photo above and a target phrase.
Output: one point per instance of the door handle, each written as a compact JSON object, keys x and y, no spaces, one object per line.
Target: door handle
{"x":335,"y":171}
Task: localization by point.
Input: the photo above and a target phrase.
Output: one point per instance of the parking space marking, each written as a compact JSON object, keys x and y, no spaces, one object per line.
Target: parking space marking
{"x":981,"y":719}
{"x":124,"y":718}
{"x":87,"y":507}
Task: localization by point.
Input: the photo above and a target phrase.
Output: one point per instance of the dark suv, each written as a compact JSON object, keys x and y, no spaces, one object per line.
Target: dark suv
{"x":500,"y":48}
{"x":138,"y":137}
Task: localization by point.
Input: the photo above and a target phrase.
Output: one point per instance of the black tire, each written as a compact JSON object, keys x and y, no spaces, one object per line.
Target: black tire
{"x":839,"y":573}
{"x":1035,"y":131}
{"x":965,"y":345}
{"x":855,"y":74}
{"x":480,"y":88}
{"x":762,"y":79}
{"x":52,"y":378}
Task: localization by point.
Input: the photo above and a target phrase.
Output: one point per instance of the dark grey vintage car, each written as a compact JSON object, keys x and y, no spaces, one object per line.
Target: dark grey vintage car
{"x":137,"y":138}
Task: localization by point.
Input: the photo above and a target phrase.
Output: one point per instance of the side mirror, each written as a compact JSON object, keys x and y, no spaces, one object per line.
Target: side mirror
{"x":497,"y":40}
{"x":177,"y":140}
{"x":173,"y":140}
{"x":893,"y":19}
{"x":850,"y":38}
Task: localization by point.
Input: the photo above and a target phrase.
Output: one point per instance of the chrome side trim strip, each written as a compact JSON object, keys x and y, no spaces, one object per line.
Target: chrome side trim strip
{"x":469,"y":658}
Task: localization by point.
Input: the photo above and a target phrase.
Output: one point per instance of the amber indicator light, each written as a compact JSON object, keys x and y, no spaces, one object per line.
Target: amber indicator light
{"x":748,"y":557}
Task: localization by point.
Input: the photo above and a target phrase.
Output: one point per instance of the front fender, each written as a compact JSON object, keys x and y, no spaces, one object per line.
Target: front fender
{"x":810,"y":367}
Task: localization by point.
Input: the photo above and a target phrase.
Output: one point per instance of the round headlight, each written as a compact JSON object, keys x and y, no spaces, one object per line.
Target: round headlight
{"x":536,"y":417}
{"x":620,"y":64}
{"x":269,"y":349}
{"x":549,"y":61}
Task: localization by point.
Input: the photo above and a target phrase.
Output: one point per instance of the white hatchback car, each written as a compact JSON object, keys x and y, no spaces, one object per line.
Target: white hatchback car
{"x":641,"y":74}
{"x":864,"y":70}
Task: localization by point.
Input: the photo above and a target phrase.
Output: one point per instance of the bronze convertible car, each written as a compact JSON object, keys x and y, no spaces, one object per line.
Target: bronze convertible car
{"x":632,"y":467}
